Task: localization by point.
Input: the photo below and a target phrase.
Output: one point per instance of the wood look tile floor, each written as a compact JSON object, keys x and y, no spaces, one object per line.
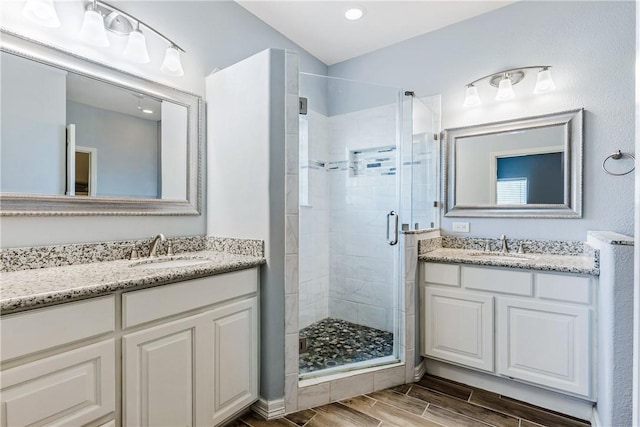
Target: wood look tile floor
{"x":430,"y":402}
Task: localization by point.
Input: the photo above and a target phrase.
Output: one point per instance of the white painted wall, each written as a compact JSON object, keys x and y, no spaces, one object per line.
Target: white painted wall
{"x":559,"y":33}
{"x":615,"y":336}
{"x":214,"y":34}
{"x":173,"y":152}
{"x":246,"y":179}
{"x":32,"y":135}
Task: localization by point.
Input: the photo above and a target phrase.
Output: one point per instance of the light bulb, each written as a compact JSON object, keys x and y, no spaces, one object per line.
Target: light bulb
{"x":354,"y":14}
{"x":505,"y":90}
{"x":171,"y":64}
{"x":472,"y":98}
{"x":92,"y":30}
{"x":544,"y":82}
{"x":41,"y":12}
{"x":136,"y":49}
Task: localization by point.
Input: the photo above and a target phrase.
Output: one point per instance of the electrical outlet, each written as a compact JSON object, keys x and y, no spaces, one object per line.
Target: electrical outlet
{"x":461,"y":227}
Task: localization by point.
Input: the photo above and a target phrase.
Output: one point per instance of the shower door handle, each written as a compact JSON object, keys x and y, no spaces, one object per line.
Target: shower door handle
{"x":395,"y":228}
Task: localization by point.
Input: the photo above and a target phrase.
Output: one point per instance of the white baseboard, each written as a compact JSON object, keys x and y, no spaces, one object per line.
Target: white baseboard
{"x":269,"y":409}
{"x":419,"y":371}
{"x":548,"y":399}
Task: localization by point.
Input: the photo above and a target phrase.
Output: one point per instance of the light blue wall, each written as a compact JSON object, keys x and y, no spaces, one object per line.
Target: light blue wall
{"x":591,"y":46}
{"x":32,"y":134}
{"x":214,"y":34}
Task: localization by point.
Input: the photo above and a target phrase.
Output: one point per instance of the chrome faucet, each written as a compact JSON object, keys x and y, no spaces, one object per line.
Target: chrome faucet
{"x":503,"y":240}
{"x":153,"y":248}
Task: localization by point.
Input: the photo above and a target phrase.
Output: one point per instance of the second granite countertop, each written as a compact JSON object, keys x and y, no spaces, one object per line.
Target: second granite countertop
{"x":28,"y":289}
{"x":577,"y":264}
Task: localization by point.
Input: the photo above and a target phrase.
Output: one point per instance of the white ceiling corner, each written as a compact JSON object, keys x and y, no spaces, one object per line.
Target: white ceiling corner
{"x":321,"y":29}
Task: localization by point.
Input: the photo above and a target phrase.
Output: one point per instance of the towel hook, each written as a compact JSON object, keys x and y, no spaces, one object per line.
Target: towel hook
{"x":617,"y":156}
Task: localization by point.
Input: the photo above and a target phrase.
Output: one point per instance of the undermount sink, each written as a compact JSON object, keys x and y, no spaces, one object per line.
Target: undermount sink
{"x":170,"y":263}
{"x":500,"y":257}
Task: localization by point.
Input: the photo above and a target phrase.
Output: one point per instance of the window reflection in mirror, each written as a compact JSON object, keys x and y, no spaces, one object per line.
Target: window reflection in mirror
{"x":511,"y":168}
{"x":141,"y":140}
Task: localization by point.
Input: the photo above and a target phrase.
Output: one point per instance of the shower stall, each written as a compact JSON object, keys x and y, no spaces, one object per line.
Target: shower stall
{"x":366,"y":172}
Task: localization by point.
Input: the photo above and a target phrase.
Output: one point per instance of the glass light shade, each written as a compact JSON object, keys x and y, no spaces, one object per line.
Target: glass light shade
{"x":544,"y":82}
{"x":136,"y":49}
{"x":41,"y":12}
{"x":472,"y":98}
{"x":505,"y":90}
{"x":92,"y":30}
{"x":171,"y":64}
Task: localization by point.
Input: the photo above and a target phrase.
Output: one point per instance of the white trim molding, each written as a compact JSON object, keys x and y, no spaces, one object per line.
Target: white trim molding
{"x":420,"y":370}
{"x":269,"y":409}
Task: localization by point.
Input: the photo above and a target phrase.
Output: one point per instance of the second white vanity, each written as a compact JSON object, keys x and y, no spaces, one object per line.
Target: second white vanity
{"x":519,"y":319}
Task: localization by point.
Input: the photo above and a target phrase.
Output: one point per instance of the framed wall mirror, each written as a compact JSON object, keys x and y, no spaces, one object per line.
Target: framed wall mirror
{"x":82,"y":138}
{"x":530,"y":167}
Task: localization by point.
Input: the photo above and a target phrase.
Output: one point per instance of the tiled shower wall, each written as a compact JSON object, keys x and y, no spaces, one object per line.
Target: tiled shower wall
{"x":361,"y":289}
{"x":343,"y":217}
{"x":314,"y":218}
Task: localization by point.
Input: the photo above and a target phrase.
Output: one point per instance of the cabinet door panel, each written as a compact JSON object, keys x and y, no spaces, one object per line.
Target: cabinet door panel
{"x":459,"y":327}
{"x":544,"y":343}
{"x":235,"y":360}
{"x":71,"y":388}
{"x":160,"y":374}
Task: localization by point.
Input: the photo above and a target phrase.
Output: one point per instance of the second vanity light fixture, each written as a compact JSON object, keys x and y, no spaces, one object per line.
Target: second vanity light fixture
{"x":504,"y":81}
{"x":100,"y":17}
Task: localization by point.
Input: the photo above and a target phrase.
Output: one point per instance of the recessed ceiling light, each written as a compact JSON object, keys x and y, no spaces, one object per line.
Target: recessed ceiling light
{"x":354,"y":13}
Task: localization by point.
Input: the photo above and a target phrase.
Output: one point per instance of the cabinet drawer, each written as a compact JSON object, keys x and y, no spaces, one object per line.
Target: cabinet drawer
{"x":564,"y":288}
{"x":37,"y":330}
{"x":71,"y":388}
{"x":152,"y":304}
{"x":442,"y":274}
{"x":503,"y":281}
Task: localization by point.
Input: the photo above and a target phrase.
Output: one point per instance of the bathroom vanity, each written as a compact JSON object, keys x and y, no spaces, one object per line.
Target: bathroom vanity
{"x":184,"y":353}
{"x":529,"y":318}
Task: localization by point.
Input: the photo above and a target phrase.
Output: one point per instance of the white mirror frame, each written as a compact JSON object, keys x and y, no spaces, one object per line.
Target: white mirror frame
{"x":572,"y":123}
{"x":19,"y":204}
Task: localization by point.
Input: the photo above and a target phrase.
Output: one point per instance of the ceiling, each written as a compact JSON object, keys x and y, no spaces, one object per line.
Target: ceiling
{"x":85,"y":90}
{"x":321,"y":29}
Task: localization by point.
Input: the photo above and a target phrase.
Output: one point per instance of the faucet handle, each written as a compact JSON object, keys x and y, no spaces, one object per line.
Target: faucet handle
{"x":134,"y":253}
{"x":169,"y":248}
{"x":521,"y":247}
{"x":487,"y":245}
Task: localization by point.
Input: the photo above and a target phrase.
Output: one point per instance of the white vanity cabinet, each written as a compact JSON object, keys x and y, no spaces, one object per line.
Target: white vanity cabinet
{"x":58,"y":365}
{"x":193,"y":357}
{"x":188,"y":352}
{"x":535,"y":327}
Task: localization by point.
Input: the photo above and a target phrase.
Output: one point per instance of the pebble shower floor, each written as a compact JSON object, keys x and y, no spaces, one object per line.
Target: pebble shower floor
{"x":334,"y":342}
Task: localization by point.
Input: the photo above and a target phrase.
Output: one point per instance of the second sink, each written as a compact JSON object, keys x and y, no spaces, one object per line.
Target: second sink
{"x":170,"y":263}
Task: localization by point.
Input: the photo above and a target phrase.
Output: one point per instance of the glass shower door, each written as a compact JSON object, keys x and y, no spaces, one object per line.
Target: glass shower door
{"x":349,"y":199}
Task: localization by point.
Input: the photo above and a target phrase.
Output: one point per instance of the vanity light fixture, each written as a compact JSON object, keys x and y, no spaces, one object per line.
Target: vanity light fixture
{"x":100,"y":17}
{"x":136,"y":49}
{"x":505,"y":80}
{"x":41,"y":12}
{"x":92,"y":31}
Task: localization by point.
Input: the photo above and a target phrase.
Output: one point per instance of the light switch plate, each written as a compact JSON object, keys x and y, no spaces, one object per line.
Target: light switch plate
{"x":461,"y":227}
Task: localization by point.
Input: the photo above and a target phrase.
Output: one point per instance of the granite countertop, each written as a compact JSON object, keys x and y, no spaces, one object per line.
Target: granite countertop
{"x":579,"y":264}
{"x":28,"y":289}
